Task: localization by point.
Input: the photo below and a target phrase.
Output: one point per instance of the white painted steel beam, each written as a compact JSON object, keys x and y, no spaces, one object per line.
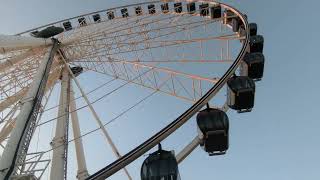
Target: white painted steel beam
{"x":59,"y":142}
{"x":82,"y":172}
{"x":99,"y":122}
{"x":12,"y":99}
{"x":96,"y":117}
{"x":18,"y":142}
{"x":188,"y":149}
{"x":10,"y":43}
{"x":15,"y":60}
{"x":16,"y":97}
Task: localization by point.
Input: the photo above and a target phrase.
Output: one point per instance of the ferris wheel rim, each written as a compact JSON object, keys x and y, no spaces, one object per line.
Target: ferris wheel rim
{"x":234,"y":65}
{"x":85,"y":14}
{"x":184,"y":117}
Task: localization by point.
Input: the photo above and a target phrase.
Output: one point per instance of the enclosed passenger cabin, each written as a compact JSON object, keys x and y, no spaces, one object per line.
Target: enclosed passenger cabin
{"x":110,"y":15}
{"x":216,"y":12}
{"x":138,"y":10}
{"x":160,"y":165}
{"x":67,"y":25}
{"x":152,"y":9}
{"x":253,"y":65}
{"x":82,"y":21}
{"x":204,"y":9}
{"x":96,"y":18}
{"x":256,"y":43}
{"x":236,"y":24}
{"x":245,"y":16}
{"x":178,"y":7}
{"x":240,"y":93}
{"x":191,"y":7}
{"x":165,"y":8}
{"x":214,"y":126}
{"x":124,"y":12}
{"x":253,"y":28}
{"x":242,"y":33}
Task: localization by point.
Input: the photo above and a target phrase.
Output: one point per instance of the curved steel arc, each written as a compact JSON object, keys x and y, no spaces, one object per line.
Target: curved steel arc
{"x":105,"y":10}
{"x":165,"y":132}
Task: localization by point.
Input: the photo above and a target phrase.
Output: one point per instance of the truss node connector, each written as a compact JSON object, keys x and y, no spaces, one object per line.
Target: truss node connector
{"x":55,"y":40}
{"x":76,"y":71}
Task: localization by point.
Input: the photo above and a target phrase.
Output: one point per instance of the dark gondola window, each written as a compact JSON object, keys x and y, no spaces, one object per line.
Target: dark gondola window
{"x":165,"y":7}
{"x":152,"y":9}
{"x":138,"y":10}
{"x":124,"y":12}
{"x":82,"y":21}
{"x":67,"y":25}
{"x":96,"y":18}
{"x":178,"y":7}
{"x":236,"y":23}
{"x":204,"y":9}
{"x":216,"y":12}
{"x":191,"y":7}
{"x":110,"y":15}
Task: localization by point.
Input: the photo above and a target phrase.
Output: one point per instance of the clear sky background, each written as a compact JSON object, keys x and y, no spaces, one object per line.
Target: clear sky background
{"x":279,"y":139}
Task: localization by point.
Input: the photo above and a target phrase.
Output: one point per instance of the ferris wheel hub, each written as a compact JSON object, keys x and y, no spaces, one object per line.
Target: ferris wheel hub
{"x":47,"y":32}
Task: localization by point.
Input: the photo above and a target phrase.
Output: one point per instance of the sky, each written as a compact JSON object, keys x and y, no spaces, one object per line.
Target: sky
{"x":279,"y":139}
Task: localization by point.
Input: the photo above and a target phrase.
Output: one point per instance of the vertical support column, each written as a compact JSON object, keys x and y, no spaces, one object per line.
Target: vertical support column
{"x":95,"y":115}
{"x":59,"y":142}
{"x":81,"y":161}
{"x":18,"y":143}
{"x":103,"y":129}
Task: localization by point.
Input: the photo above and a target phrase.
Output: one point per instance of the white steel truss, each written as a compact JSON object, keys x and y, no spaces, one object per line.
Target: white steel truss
{"x":126,"y":49}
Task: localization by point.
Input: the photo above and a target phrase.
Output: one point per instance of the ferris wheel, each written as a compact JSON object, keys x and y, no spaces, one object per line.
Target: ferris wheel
{"x":204,"y":54}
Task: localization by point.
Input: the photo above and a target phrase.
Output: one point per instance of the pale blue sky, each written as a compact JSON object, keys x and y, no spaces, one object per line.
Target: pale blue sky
{"x":279,"y":139}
